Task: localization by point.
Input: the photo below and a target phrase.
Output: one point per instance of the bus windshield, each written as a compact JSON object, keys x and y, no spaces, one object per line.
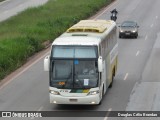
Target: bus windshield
{"x":74,"y":52}
{"x":77,"y":74}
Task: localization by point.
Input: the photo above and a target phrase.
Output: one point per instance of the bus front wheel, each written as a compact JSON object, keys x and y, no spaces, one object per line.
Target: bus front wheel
{"x":101,"y":96}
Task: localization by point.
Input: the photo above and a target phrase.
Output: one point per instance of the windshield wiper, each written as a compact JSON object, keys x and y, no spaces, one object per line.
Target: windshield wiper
{"x":70,"y":76}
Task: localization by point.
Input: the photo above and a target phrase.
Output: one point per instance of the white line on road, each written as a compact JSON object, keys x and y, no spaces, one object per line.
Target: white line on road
{"x":40,"y":109}
{"x":126,"y":76}
{"x":107,"y":113}
{"x":156,"y":17}
{"x":146,"y":37}
{"x":137,"y":53}
{"x":151,"y":25}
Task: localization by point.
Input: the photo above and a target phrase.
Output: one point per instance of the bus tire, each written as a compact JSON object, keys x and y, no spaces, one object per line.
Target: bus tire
{"x":100,"y":102}
{"x":102,"y":96}
{"x":110,"y":86}
{"x":113,"y":74}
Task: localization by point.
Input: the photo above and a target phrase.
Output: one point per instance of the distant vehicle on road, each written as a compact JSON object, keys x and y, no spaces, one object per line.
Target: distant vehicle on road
{"x":82,"y":63}
{"x":128,"y":29}
{"x":114,"y":14}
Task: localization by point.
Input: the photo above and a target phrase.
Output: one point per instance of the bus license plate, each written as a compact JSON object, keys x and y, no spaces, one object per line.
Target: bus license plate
{"x":73,"y":100}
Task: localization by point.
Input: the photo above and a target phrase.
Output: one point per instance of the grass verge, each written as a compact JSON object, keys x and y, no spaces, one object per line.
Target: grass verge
{"x":23,"y":35}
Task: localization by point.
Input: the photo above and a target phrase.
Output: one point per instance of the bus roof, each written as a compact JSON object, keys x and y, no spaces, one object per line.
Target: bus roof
{"x":98,"y":26}
{"x":86,"y":32}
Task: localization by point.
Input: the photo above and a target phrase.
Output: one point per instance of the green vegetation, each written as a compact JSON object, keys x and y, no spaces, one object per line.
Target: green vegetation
{"x":23,"y":35}
{"x":2,"y":0}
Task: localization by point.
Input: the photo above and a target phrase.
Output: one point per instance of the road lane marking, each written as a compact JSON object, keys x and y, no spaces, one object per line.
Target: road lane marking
{"x":40,"y":109}
{"x":156,"y":17}
{"x":151,"y":25}
{"x":106,"y":9}
{"x":106,"y":117}
{"x":146,"y":37}
{"x":137,"y":53}
{"x":126,"y":76}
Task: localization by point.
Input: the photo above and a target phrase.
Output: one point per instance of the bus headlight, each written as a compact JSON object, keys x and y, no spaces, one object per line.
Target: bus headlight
{"x":93,"y":92}
{"x":121,"y":31}
{"x":54,"y":92}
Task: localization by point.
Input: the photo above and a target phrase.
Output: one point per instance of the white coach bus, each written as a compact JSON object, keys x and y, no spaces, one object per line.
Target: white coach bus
{"x":82,"y":63}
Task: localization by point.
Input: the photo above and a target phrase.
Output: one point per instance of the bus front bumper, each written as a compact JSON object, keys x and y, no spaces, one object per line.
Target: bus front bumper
{"x":88,"y":100}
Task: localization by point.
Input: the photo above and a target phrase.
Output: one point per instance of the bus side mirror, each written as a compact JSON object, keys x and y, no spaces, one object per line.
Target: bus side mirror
{"x":46,"y":63}
{"x":100,"y":65}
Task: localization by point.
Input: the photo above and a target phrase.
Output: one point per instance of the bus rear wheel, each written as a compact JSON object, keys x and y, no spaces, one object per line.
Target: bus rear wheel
{"x":113,"y":75}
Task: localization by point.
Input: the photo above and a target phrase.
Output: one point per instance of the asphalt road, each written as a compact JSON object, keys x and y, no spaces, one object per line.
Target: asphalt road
{"x":10,"y":8}
{"x":136,"y":86}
